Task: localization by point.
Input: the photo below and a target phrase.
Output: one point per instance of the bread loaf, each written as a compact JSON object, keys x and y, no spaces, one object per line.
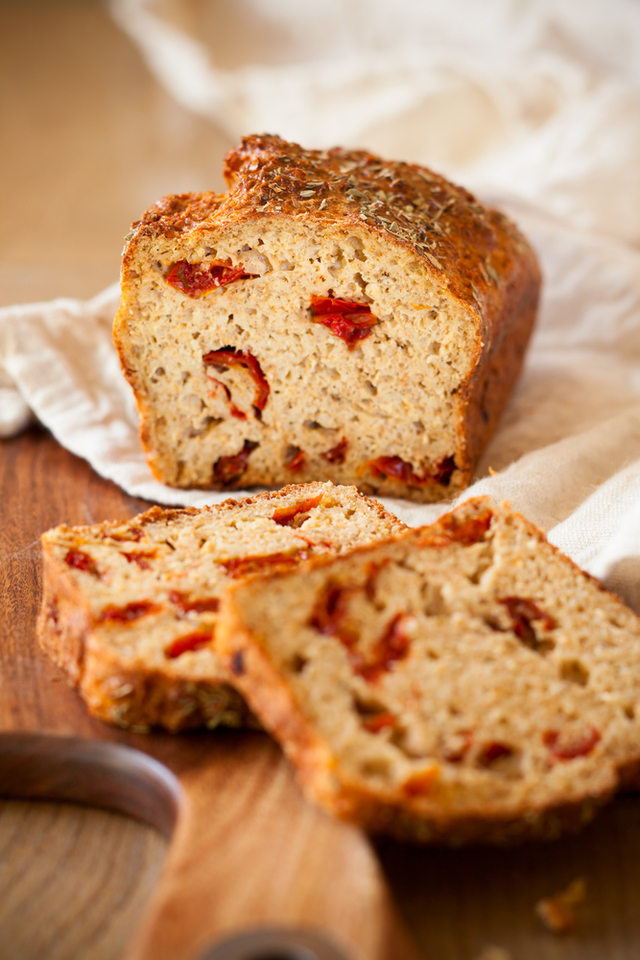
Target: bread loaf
{"x":333,"y":316}
{"x":130,"y":609}
{"x":463,"y":682}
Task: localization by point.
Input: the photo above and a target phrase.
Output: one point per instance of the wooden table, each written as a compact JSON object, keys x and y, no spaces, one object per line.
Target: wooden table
{"x":88,"y":141}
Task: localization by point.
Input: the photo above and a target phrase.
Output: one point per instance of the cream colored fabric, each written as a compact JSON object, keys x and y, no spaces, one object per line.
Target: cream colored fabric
{"x":533,"y":105}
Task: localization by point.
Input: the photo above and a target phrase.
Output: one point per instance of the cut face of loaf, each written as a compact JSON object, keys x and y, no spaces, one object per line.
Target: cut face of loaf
{"x":130,"y":609}
{"x":464,"y":683}
{"x":334,"y":316}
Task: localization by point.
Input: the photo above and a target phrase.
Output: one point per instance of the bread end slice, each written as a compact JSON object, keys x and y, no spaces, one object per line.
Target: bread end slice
{"x":130,"y":609}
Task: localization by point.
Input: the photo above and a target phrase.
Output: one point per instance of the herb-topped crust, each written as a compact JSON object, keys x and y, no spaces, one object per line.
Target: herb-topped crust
{"x":421,"y":244}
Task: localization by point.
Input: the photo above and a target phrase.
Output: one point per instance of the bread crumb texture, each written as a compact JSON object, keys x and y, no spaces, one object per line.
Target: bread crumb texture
{"x":332,"y":316}
{"x":131,"y":609}
{"x":465,"y":682}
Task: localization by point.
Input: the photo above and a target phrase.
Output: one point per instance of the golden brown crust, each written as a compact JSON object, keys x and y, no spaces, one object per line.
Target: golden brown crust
{"x":474,"y":253}
{"x":477,"y":251}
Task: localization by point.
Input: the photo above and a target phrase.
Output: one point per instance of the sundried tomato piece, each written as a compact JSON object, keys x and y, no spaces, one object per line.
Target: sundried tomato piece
{"x":570,"y":746}
{"x":243,"y":566}
{"x":330,"y":612}
{"x":141,"y":557}
{"x":347,"y":319}
{"x":392,"y":646}
{"x":395,"y":468}
{"x":233,"y":410}
{"x":295,"y":459}
{"x":134,"y":533}
{"x":130,"y":612}
{"x":230,"y":357}
{"x":198,"y":279}
{"x":190,"y":641}
{"x":495,"y":750}
{"x":198,"y":604}
{"x":421,"y":783}
{"x":378,"y":721}
{"x":80,"y":560}
{"x":523,"y":613}
{"x":229,"y":469}
{"x":443,"y":470}
{"x":454,"y":529}
{"x":330,"y":617}
{"x":295,"y":513}
{"x":522,"y":608}
{"x":338,"y":453}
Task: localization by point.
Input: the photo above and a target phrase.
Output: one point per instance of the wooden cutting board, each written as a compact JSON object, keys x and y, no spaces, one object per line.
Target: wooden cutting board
{"x":246,"y":849}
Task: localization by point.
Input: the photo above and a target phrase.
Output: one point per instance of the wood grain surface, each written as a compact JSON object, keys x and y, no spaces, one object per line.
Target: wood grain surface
{"x":88,"y":140}
{"x":58,"y":898}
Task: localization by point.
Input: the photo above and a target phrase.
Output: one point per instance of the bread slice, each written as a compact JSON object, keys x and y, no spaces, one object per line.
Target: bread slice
{"x":462,"y":682}
{"x":130,"y":609}
{"x":333,"y":316}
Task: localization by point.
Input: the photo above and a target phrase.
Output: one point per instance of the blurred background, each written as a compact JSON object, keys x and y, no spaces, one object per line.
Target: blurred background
{"x":88,"y":141}
{"x":106,"y":106}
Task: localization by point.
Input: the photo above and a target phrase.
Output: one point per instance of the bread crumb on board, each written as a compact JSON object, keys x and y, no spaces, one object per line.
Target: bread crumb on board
{"x":557,"y":913}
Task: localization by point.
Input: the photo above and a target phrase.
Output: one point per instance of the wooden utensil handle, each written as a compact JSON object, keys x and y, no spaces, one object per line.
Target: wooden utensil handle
{"x":235,"y":862}
{"x":279,"y":943}
{"x":95,"y":772}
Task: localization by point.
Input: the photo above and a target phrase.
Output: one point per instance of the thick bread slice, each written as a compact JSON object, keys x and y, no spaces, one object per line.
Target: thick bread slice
{"x":463,"y":682}
{"x":333,"y":316}
{"x":130,"y":609}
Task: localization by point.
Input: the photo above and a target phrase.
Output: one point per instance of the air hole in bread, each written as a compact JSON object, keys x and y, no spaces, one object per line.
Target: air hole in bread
{"x":298,"y":663}
{"x":574,"y":671}
{"x":358,"y":278}
{"x":500,"y":757}
{"x":432,"y":599}
{"x":484,"y":560}
{"x":358,"y":252}
{"x":376,"y":767}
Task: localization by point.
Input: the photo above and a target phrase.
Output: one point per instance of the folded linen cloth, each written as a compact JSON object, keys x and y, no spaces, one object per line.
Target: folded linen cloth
{"x":561,"y":157}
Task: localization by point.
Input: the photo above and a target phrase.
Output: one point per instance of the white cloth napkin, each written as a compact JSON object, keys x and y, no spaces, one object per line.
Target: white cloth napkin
{"x":536,"y":106}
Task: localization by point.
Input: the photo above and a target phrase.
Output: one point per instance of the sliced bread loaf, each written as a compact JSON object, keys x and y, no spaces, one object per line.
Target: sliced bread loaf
{"x":130,"y":609}
{"x":464,"y":681}
{"x":333,"y":316}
